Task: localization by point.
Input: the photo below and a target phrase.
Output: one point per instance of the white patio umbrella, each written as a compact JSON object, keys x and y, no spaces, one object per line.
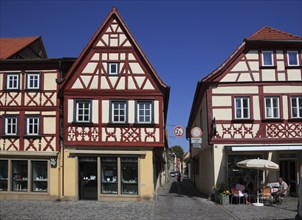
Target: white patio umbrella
{"x":259,"y":164}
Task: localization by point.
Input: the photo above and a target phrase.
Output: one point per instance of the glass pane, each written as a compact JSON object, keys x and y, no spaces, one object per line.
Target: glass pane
{"x":267,"y":58}
{"x":39,"y":176}
{"x":109,"y":178}
{"x":3,"y":175}
{"x":268,"y":102}
{"x":20,"y":175}
{"x":129,"y":172}
{"x":292,"y":58}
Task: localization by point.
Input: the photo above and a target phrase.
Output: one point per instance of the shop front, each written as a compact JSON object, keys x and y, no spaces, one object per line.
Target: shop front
{"x":108,"y":174}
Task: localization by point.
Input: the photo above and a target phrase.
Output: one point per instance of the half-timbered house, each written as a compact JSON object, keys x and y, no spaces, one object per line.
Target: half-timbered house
{"x":29,"y":119}
{"x":115,"y":109}
{"x":250,"y":107}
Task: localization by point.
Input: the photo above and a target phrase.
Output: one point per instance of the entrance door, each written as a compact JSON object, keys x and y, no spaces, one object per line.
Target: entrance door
{"x":88,"y":178}
{"x":288,"y":172}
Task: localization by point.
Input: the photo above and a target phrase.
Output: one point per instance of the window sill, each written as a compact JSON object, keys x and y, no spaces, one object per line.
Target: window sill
{"x":33,"y":90}
{"x":144,"y":125}
{"x":272,"y":120}
{"x":118,"y":124}
{"x":89,"y":124}
{"x":6,"y":136}
{"x":12,"y":90}
{"x":268,"y":67}
{"x":33,"y":136}
{"x":239,"y":121}
{"x":293,"y":67}
{"x":295,"y":120}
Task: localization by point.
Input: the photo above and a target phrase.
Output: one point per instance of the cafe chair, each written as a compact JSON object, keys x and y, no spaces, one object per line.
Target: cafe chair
{"x":236,"y":194}
{"x":266,"y":195}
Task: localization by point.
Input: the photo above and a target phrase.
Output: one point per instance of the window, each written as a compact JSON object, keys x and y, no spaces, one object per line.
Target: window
{"x":242,"y":108}
{"x":33,"y":81}
{"x":272,"y":107}
{"x":12,"y":81}
{"x":129,"y":175}
{"x":113,"y":68}
{"x":10,"y":125}
{"x":118,"y":111}
{"x":296,"y":107}
{"x":83,"y":111}
{"x":292,"y":58}
{"x":39,"y":176}
{"x":3,"y":175}
{"x":144,"y":111}
{"x":267,"y":58}
{"x":109,"y":175}
{"x":32,"y":125}
{"x":20,"y":175}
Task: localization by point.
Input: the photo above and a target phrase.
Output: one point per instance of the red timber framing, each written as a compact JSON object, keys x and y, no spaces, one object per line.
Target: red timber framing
{"x":243,"y":75}
{"x":135,"y":80}
{"x":23,"y":102}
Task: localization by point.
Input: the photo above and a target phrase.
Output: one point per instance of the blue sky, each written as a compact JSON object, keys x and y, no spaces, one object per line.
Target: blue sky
{"x":183,"y":40}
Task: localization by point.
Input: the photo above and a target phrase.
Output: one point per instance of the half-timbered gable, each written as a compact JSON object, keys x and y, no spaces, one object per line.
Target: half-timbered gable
{"x":250,"y":107}
{"x":117,"y":86}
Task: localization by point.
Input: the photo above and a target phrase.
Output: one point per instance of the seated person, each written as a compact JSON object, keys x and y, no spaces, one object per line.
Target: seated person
{"x":241,"y":189}
{"x":282,"y":189}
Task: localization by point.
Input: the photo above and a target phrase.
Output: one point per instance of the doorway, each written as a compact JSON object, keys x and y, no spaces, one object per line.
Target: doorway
{"x":88,"y":178}
{"x":288,"y":172}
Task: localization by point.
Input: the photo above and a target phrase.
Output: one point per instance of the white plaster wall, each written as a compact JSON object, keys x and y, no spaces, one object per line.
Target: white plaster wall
{"x":240,"y":66}
{"x":268,"y":75}
{"x":95,"y":111}
{"x":256,"y":108}
{"x":222,"y":114}
{"x":131,"y":111}
{"x":70,"y":111}
{"x":294,"y":75}
{"x":236,"y":90}
{"x":105,"y":111}
{"x":156,"y":112}
{"x":49,"y":125}
{"x":221,"y":101}
{"x":252,"y":55}
{"x":283,"y":89}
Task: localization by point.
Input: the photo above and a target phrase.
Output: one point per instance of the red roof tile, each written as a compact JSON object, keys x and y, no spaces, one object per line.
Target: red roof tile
{"x":268,"y":33}
{"x":10,"y":46}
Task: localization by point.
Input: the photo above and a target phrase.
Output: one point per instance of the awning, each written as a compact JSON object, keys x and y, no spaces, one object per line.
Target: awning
{"x":264,"y":148}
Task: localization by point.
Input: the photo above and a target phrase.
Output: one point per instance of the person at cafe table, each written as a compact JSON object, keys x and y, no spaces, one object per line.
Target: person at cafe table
{"x":282,"y":189}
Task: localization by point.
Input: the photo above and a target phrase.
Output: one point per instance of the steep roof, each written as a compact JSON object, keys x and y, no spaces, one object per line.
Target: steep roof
{"x":11,"y":46}
{"x":268,"y":33}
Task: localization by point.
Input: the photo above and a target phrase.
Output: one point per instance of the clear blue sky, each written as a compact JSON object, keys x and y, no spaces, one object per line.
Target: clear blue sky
{"x":183,"y":40}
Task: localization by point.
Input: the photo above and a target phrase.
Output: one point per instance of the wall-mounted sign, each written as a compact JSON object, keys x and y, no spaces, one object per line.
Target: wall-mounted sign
{"x":179,"y":131}
{"x":53,"y":161}
{"x":196,"y":132}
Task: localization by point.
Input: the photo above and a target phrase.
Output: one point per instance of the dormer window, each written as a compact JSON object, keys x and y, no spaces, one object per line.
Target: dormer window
{"x":292,"y":58}
{"x":267,"y":58}
{"x":113,"y":69}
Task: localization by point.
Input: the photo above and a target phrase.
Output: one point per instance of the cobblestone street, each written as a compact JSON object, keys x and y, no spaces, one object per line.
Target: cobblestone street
{"x":173,"y":201}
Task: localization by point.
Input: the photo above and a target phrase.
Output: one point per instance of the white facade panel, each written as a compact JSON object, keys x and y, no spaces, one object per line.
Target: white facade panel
{"x":252,"y":55}
{"x":131,"y":111}
{"x":50,"y":81}
{"x":268,"y":75}
{"x":105,"y":111}
{"x":156,"y":112}
{"x":95,"y":111}
{"x":294,"y":75}
{"x":70,"y":111}
{"x":283,"y":89}
{"x":221,"y":101}
{"x":236,"y":90}
{"x":222,"y":114}
{"x":50,"y":125}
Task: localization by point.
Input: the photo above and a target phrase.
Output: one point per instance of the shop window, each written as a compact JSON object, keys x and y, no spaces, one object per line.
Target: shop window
{"x":109,"y":178}
{"x":3,"y":175}
{"x":129,"y":175}
{"x":20,"y":175}
{"x":39,"y":176}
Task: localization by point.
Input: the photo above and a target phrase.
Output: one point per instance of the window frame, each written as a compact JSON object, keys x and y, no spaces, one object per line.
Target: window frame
{"x":76,"y":111}
{"x":242,"y":108}
{"x":297,"y":58}
{"x":28,"y":124}
{"x":117,"y":66}
{"x":112,"y":115}
{"x":30,"y":74}
{"x":5,"y":125}
{"x":17,"y":75}
{"x":299,"y":105}
{"x":271,"y":57}
{"x":137,"y":112}
{"x":272,"y":107}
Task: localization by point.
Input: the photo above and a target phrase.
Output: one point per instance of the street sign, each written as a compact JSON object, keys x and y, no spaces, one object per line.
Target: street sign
{"x":179,"y":131}
{"x":196,"y":132}
{"x":196,"y":140}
